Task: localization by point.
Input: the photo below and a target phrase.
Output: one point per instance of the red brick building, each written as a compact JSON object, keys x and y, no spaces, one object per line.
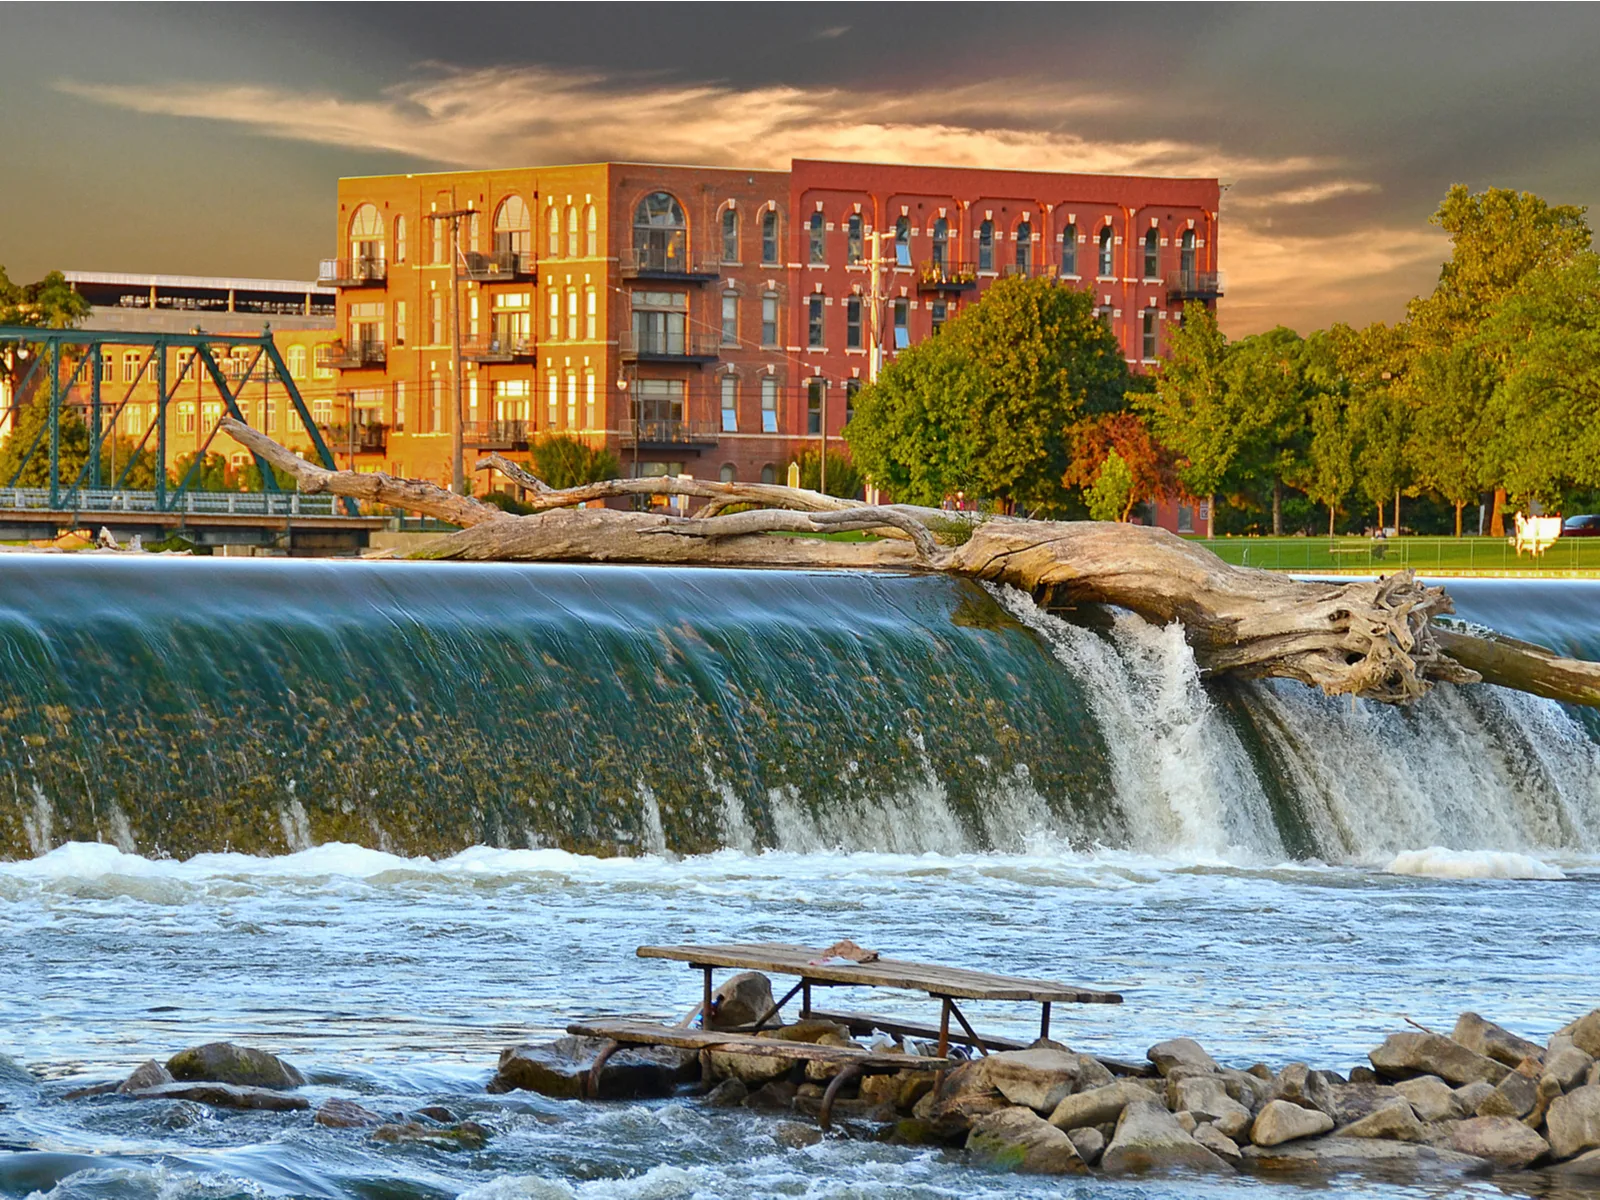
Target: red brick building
{"x":711,"y":321}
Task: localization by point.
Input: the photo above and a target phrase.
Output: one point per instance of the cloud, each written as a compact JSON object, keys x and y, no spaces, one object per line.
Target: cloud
{"x":831,"y":32}
{"x":1311,"y":193}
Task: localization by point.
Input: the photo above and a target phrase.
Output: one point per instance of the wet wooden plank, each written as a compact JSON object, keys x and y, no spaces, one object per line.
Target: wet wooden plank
{"x":650,"y":1034}
{"x":777,"y":958}
{"x":862,"y":1024}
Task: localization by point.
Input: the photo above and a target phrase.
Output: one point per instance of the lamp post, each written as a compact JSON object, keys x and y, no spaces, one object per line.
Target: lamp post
{"x":622,"y":386}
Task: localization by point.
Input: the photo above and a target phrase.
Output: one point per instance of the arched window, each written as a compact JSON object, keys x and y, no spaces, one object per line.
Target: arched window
{"x":1152,"y":255}
{"x":852,"y":239}
{"x":591,"y":231}
{"x":986,"y":246}
{"x":902,"y":242}
{"x":1024,"y":243}
{"x":730,"y":235}
{"x":552,"y":221}
{"x":769,"y":236}
{"x":400,"y":238}
{"x":1069,"y":250}
{"x":513,"y":229}
{"x":572,"y":231}
{"x":941,"y":244}
{"x":660,"y":233}
{"x":817,"y":249}
{"x":729,"y":473}
{"x":769,"y":474}
{"x":366,"y":233}
{"x":1186,"y":257}
{"x":1106,"y":241}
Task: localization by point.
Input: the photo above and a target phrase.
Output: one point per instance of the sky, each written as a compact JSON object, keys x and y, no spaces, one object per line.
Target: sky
{"x":208,"y":139}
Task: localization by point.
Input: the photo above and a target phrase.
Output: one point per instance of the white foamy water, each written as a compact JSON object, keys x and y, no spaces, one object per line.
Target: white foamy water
{"x":1440,"y":863}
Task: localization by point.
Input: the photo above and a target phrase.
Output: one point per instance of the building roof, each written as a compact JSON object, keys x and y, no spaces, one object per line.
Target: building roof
{"x":219,"y":283}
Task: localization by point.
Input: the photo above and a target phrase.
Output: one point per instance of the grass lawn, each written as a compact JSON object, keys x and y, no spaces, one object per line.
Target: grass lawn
{"x":1427,"y":555}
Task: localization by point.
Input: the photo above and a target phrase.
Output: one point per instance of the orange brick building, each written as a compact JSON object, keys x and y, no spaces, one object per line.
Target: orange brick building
{"x":710,"y":321}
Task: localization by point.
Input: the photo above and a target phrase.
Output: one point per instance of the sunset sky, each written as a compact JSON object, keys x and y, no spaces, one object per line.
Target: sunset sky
{"x":207,"y":139}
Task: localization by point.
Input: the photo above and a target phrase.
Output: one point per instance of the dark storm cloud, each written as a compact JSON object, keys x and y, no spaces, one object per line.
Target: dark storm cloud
{"x":164,"y":131}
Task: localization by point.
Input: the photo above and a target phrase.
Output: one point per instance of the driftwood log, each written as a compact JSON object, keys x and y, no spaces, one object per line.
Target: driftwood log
{"x":1375,"y":638}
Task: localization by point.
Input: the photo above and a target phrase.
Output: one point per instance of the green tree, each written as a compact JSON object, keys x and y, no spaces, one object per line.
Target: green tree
{"x":1450,"y":390}
{"x":1110,"y":497}
{"x":211,"y":474}
{"x":1267,"y":386}
{"x":844,"y":477}
{"x":25,"y":454}
{"x":1191,"y":409}
{"x":49,"y":303}
{"x":563,"y":461}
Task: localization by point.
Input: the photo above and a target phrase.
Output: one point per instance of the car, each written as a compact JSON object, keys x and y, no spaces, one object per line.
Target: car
{"x":1586,"y":525}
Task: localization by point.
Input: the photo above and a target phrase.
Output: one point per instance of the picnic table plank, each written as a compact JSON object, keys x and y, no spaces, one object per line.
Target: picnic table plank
{"x":649,"y":1033}
{"x":778,"y":958}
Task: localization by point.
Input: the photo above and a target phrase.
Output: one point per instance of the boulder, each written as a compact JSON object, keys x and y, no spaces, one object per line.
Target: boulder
{"x":1241,"y":1086}
{"x":742,"y":999}
{"x":1018,"y":1139}
{"x":339,"y":1113}
{"x":1089,"y":1142}
{"x":1337,"y":1154}
{"x":1220,"y":1144}
{"x":1363,"y":1075}
{"x":1098,"y":1105}
{"x":1471,"y":1095}
{"x":1573,"y":1123}
{"x":1394,"y":1120}
{"x":147,"y":1074}
{"x":558,"y":1069}
{"x":436,"y":1112}
{"x":1407,"y":1055}
{"x":1207,"y":1098}
{"x":1042,"y":1079}
{"x":1514,"y":1096}
{"x":1493,"y":1041}
{"x":1349,"y":1102}
{"x":730,"y":1093}
{"x":1299,"y":1084}
{"x":223,"y":1062}
{"x":1150,"y":1139}
{"x":1180,"y":1052}
{"x":1566,"y":1068}
{"x":1586,"y":1034}
{"x":777,"y":1095}
{"x":1281,"y":1121}
{"x":225,"y":1095}
{"x":1585,"y":1166}
{"x":1261,"y":1071}
{"x":1431,"y":1098}
{"x":468,"y":1135}
{"x":964,"y":1095}
{"x":796,"y":1135}
{"x":1504,"y":1141}
{"x":1186,"y":1121}
{"x":821,"y":1072}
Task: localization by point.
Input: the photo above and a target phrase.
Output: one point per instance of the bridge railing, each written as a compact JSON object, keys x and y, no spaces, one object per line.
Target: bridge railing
{"x":108,"y":500}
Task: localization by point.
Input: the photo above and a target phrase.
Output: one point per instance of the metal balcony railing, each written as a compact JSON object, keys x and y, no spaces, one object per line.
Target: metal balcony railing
{"x":501,"y":435}
{"x":654,"y":262}
{"x":1034,"y":268}
{"x":947,"y":276}
{"x":108,"y":500}
{"x":499,"y":350}
{"x":500,"y":264}
{"x":347,"y":356}
{"x":352,"y":272}
{"x":370,"y":438}
{"x":668,"y":433}
{"x":1195,"y":285}
{"x":669,"y":347}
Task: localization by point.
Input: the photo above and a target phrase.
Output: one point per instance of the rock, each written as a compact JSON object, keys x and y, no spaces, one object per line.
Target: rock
{"x":1207,"y":1098}
{"x":1493,"y":1041}
{"x":1098,"y":1105}
{"x":1299,"y":1084}
{"x":84,"y":1093}
{"x":225,"y":1095}
{"x":1186,"y":1121}
{"x":1515,"y":1096}
{"x":1336,"y":1154}
{"x":1573,"y":1123}
{"x":468,"y":1135}
{"x":1566,"y":1068}
{"x":559,"y":1068}
{"x":1150,"y":1139}
{"x":1240,"y":1086}
{"x":1407,"y":1055}
{"x":439,"y":1113}
{"x":821,"y":1072}
{"x":1504,"y":1141}
{"x":775,"y":1096}
{"x":180,"y":1114}
{"x":1431,"y":1098}
{"x":223,"y":1062}
{"x":1470,"y":1095}
{"x":1593,"y":1077}
{"x":730,"y":1093}
{"x":1586,"y":1034}
{"x":1282,"y":1121}
{"x":1585,"y":1166}
{"x":338,"y":1113}
{"x":816,"y":1032}
{"x":796,"y":1135}
{"x":742,"y":999}
{"x":1394,"y":1120}
{"x":964,"y":1095}
{"x":147,"y":1074}
{"x":1220,"y":1144}
{"x":1349,"y":1102}
{"x":1180,"y":1052}
{"x":1089,"y":1142}
{"x":1018,"y":1139}
{"x":1363,"y":1075}
{"x":1042,"y":1079}
{"x":1261,"y":1071}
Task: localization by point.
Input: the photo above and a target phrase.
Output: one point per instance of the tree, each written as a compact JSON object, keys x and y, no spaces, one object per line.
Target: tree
{"x":212,"y":474}
{"x":1450,"y":390}
{"x":48,"y":304}
{"x":1151,"y":470}
{"x":1110,"y":497}
{"x":844,"y":477}
{"x":564,"y":461}
{"x":1266,"y":385}
{"x":1190,"y":409}
{"x":25,"y":454}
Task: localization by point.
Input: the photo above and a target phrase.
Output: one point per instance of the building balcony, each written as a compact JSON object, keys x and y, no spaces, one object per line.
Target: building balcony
{"x":668,"y":265}
{"x":1030,"y":270}
{"x":947,"y":276}
{"x":669,"y":347}
{"x":496,"y":435}
{"x":501,"y":265}
{"x":365,"y":439}
{"x":669,"y":434}
{"x":500,"y":350}
{"x":352,"y":355}
{"x":352,"y":272}
{"x":1195,"y":285}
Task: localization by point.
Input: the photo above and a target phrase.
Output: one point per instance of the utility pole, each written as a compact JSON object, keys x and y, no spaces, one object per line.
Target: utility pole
{"x":458,"y":475}
{"x":875,"y":299}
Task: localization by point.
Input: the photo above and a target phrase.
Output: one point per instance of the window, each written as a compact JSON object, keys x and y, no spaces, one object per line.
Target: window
{"x":400,"y":238}
{"x":941,"y":244}
{"x":769,"y":237}
{"x":555,"y":313}
{"x":513,"y":399}
{"x":297,"y":362}
{"x":1152,"y":255}
{"x":730,"y":404}
{"x":399,"y":406}
{"x":769,"y":410}
{"x":661,"y":400}
{"x":130,"y":367}
{"x":364,"y":324}
{"x":660,"y":234}
{"x":1106,"y":242}
{"x":852,"y":242}
{"x":817,"y":248}
{"x":572,"y":231}
{"x":552,"y":402}
{"x":572,"y":399}
{"x":552,"y":225}
{"x":474,"y":223}
{"x":436,"y":319}
{"x":513,"y":321}
{"x":399,"y":322}
{"x":815,"y":398}
{"x":851,"y":387}
{"x":1186,"y":257}
{"x":186,"y":416}
{"x":591,"y":314}
{"x":852,"y":323}
{"x":729,"y":473}
{"x":730,"y":319}
{"x":436,"y":242}
{"x":590,"y":415}
{"x":107,"y":367}
{"x":902,"y":330}
{"x":659,"y":322}
{"x":591,"y":231}
{"x":433,"y":408}
{"x":320,"y":368}
{"x":1149,"y":334}
{"x":1185,"y":518}
{"x":210,"y":414}
{"x":1069,"y":250}
{"x":941,"y":311}
{"x":730,"y":235}
{"x":986,"y":246}
{"x":321,"y":412}
{"x":1024,"y":245}
{"x":513,"y":230}
{"x":572,"y":314}
{"x":769,"y":474}
{"x":814,"y":322}
{"x":902,"y":242}
{"x":769,"y":320}
{"x":366,"y":234}
{"x":269,"y":415}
